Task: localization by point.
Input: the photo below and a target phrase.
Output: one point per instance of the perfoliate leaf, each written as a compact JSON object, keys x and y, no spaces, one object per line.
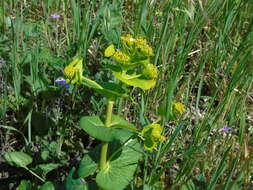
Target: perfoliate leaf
{"x":152,"y":134}
{"x":119,"y":172}
{"x":144,"y":84}
{"x":119,"y":122}
{"x":87,"y":166}
{"x":96,"y":128}
{"x":19,"y":159}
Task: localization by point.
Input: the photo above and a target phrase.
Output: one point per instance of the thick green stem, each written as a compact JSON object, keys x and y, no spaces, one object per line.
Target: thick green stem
{"x":104,"y":147}
{"x":103,"y":155}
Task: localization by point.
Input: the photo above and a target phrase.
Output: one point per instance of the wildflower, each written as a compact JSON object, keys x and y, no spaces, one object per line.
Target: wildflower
{"x":142,"y":48}
{"x":140,"y":41}
{"x":226,"y":128}
{"x":145,"y":50}
{"x":122,"y":58}
{"x":178,"y":108}
{"x":74,"y":71}
{"x":127,"y":40}
{"x":55,"y":16}
{"x":62,"y":82}
{"x":152,"y":135}
{"x":150,"y":71}
{"x":136,"y":47}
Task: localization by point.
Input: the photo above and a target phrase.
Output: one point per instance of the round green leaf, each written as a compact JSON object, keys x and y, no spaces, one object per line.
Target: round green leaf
{"x":87,"y":166}
{"x":95,"y":128}
{"x":25,"y":185}
{"x":43,"y":169}
{"x":47,"y":186}
{"x":119,"y":122}
{"x":120,"y":171}
{"x":48,"y":167}
{"x":19,"y":159}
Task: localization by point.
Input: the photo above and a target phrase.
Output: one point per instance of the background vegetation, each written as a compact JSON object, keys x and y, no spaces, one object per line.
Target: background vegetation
{"x":203,"y":50}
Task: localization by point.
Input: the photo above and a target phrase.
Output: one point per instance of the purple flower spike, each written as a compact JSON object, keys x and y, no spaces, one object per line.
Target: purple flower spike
{"x":62,"y":82}
{"x":226,"y":129}
{"x":55,"y":16}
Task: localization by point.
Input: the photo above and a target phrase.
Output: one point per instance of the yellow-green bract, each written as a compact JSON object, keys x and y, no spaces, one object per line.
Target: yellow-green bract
{"x":152,"y":134}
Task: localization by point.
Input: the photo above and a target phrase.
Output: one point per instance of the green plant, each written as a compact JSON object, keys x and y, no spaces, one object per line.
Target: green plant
{"x":120,"y":149}
{"x":20,"y":159}
{"x":203,"y":50}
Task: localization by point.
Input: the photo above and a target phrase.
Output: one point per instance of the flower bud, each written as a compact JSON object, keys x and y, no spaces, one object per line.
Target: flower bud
{"x":74,"y":71}
{"x":122,"y":58}
{"x":150,"y":71}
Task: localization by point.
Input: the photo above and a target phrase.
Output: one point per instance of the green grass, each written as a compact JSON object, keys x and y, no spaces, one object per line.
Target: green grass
{"x":203,"y":50}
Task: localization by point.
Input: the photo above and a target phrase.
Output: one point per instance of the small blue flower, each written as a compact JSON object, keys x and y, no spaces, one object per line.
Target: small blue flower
{"x":55,"y":16}
{"x":62,"y":82}
{"x":226,"y":128}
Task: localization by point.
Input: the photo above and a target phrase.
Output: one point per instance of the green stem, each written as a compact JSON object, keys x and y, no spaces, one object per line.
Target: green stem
{"x":103,"y":155}
{"x":34,"y":174}
{"x":104,"y":147}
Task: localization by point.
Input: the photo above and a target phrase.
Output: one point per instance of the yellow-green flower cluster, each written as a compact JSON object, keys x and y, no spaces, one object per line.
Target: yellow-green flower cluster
{"x":137,"y":48}
{"x":122,"y":58}
{"x":134,"y":54}
{"x":152,"y":134}
{"x":178,"y":108}
{"x":150,"y":71}
{"x":127,"y":40}
{"x":143,"y":49}
{"x":74,"y":71}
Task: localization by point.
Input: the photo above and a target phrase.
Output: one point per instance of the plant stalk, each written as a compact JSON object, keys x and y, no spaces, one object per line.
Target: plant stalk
{"x":104,"y":147}
{"x":33,"y":173}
